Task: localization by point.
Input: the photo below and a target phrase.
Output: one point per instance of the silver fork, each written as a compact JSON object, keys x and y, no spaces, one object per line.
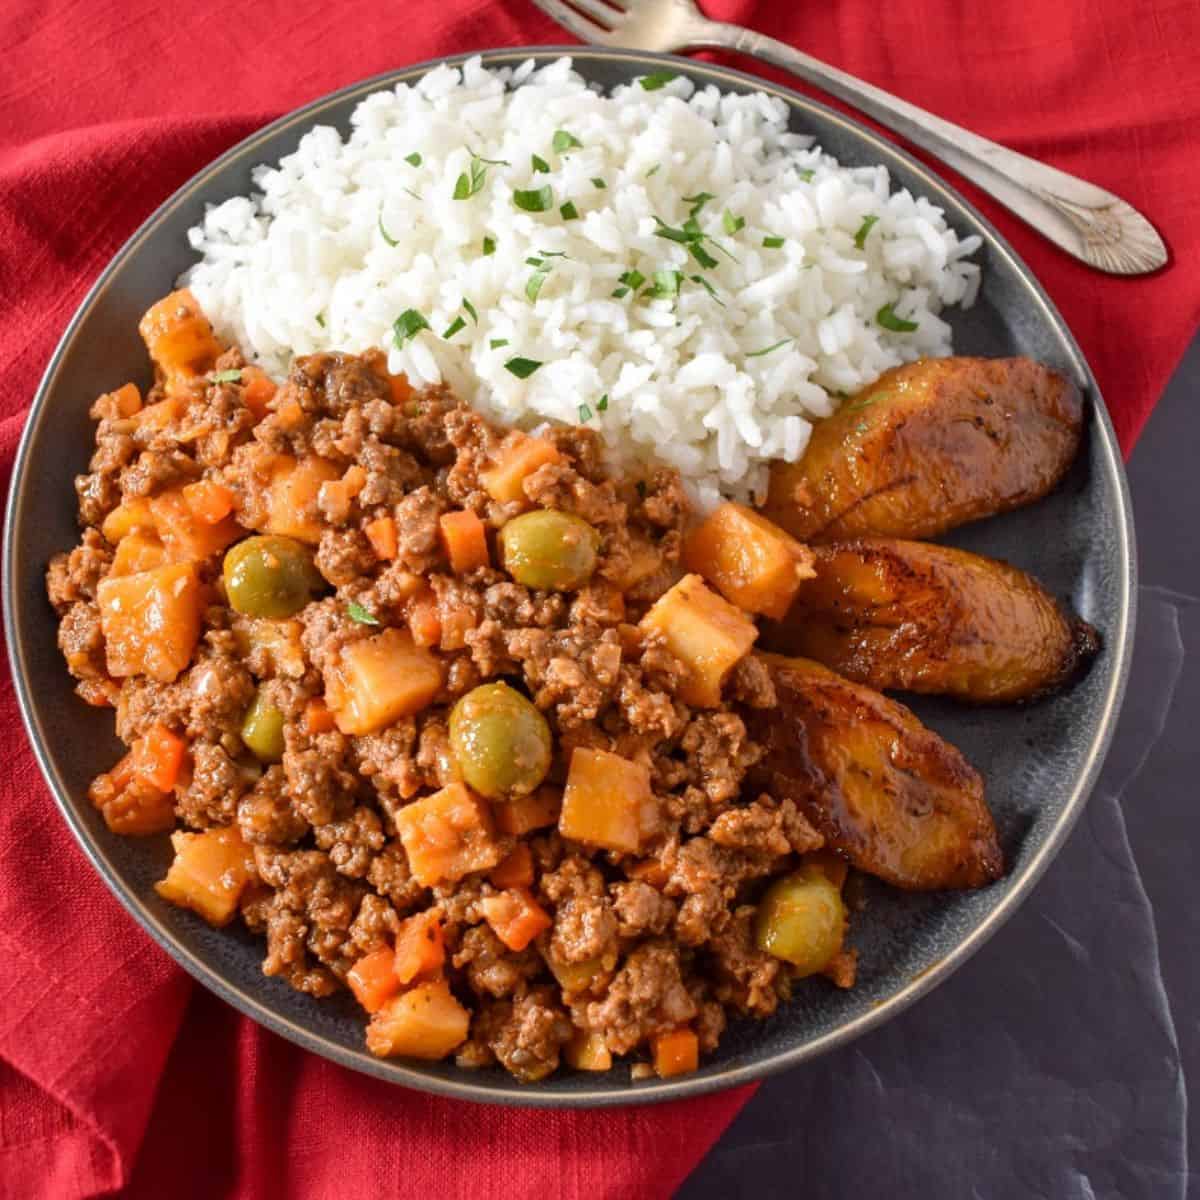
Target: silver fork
{"x":1084,"y":220}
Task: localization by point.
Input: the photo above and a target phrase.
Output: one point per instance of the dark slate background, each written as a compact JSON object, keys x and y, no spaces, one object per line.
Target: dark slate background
{"x":1054,"y":1064}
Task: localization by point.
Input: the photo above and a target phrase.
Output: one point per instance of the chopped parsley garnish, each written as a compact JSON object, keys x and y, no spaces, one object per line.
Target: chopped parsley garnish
{"x":585,"y":413}
{"x":539,"y":164}
{"x":597,"y":182}
{"x":886,"y":317}
{"x":413,"y":158}
{"x":489,"y":246}
{"x":569,"y":212}
{"x":772,"y":243}
{"x":860,"y":237}
{"x":534,"y":261}
{"x":468,"y":185}
{"x":731,"y":223}
{"x":321,"y":320}
{"x":534,"y":286}
{"x":411,"y":193}
{"x":455,"y":326}
{"x":362,"y":615}
{"x":387,"y":237}
{"x":659,"y":79}
{"x":470,"y":310}
{"x":407,"y":325}
{"x":693,"y":237}
{"x":666,"y":285}
{"x":654,"y":170}
{"x":768,"y":349}
{"x":534,"y":199}
{"x":805,"y":173}
{"x":522,"y":368}
{"x":602,"y":403}
{"x":708,"y":287}
{"x":697,"y":202}
{"x":496,"y":343}
{"x":564,"y":141}
{"x":234,"y":376}
{"x":630,"y":282}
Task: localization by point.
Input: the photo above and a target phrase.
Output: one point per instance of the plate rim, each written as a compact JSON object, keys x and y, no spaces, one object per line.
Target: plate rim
{"x":1118,"y":641}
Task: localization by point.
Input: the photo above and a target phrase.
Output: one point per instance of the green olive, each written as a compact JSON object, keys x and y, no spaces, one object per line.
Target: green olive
{"x":550,"y":550}
{"x":802,"y":919}
{"x":262,"y":730}
{"x":500,"y":741}
{"x":269,"y":576}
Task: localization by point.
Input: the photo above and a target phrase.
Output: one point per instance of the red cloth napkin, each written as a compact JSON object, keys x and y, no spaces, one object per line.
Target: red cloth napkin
{"x":117,"y":1073}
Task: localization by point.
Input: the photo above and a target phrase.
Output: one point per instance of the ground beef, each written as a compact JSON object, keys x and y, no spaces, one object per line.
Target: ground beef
{"x":390,"y":875}
{"x":416,"y":519}
{"x":212,"y":793}
{"x":344,"y":555}
{"x":719,"y":752}
{"x":640,"y":909}
{"x":375,"y":927}
{"x":388,"y":760}
{"x":757,"y":826}
{"x":266,"y":815}
{"x":646,"y":996}
{"x":492,"y":969}
{"x":527,"y":1034}
{"x":746,"y":978}
{"x":73,"y":577}
{"x":351,"y":843}
{"x":573,"y":671}
{"x":319,"y":780}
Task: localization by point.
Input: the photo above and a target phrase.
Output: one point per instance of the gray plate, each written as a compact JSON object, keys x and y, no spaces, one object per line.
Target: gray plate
{"x":1039,"y":762}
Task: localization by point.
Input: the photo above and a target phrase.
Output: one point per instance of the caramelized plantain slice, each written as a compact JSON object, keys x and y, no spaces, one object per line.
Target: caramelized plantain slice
{"x":925,"y":618}
{"x":888,"y":793}
{"x":929,"y":446}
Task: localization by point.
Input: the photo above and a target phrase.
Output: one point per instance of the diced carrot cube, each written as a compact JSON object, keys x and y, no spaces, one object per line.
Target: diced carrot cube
{"x":209,"y":872}
{"x":605,"y":800}
{"x":373,"y":980}
{"x":402,"y":390}
{"x":465,"y":540}
{"x":519,"y":456}
{"x":380,"y":680}
{"x":208,"y":500}
{"x":381,"y":533}
{"x":705,"y":632}
{"x":158,"y":757}
{"x":748,"y":559}
{"x":516,"y":870}
{"x":179,"y":337}
{"x":258,"y":390}
{"x":420,"y":949}
{"x":125,"y":402}
{"x":587,"y":1051}
{"x":318,"y":718}
{"x":424,"y":1022}
{"x":447,"y":835}
{"x":187,"y":537}
{"x":523,"y":814}
{"x":675,"y":1053}
{"x":130,"y":805}
{"x":515,"y":916}
{"x":423,"y":620}
{"x":151,"y":621}
{"x":292,"y":504}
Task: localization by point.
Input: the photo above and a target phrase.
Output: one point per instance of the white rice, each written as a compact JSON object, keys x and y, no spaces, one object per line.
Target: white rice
{"x":305,"y":263}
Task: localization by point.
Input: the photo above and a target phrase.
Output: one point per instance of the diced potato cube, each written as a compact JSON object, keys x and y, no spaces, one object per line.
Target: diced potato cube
{"x":447,"y":835}
{"x":292,"y":507}
{"x":151,"y":621}
{"x":606,"y":800}
{"x":125,"y":518}
{"x":179,"y":338}
{"x":522,"y":814}
{"x":515,"y":916}
{"x":209,"y":872}
{"x":380,"y":680}
{"x":424,"y":1022}
{"x":706,"y":633}
{"x":587,"y":1051}
{"x":186,"y":538}
{"x":139,"y":551}
{"x":420,"y":948}
{"x":748,"y":559}
{"x":129,"y":804}
{"x":519,"y":456}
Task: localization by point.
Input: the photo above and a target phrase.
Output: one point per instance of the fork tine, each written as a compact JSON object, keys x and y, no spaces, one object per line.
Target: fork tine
{"x":606,"y":14}
{"x":582,"y":27}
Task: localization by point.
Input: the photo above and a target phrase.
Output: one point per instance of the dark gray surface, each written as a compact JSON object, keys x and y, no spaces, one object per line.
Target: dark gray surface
{"x":1055,"y":1064}
{"x":1039,"y":761}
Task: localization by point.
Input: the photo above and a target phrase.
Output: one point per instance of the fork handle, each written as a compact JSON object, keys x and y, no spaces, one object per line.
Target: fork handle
{"x":1084,"y":220}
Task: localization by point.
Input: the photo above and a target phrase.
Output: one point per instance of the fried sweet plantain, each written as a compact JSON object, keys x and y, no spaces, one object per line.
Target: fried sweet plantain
{"x":929,"y":446}
{"x":891,"y":795}
{"x":926,"y":618}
